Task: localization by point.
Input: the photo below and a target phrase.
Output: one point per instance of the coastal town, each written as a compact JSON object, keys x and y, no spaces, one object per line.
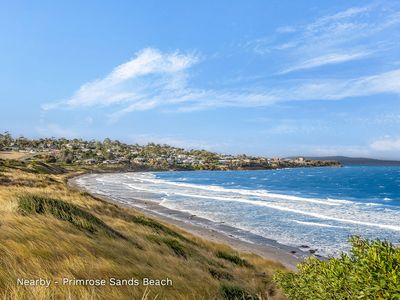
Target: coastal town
{"x":150,"y":156}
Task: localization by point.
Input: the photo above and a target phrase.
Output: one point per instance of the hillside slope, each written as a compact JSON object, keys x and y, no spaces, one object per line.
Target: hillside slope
{"x":51,"y":232}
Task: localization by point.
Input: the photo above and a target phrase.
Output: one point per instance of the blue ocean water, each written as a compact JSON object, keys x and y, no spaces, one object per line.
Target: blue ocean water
{"x":357,"y":183}
{"x":317,"y":207}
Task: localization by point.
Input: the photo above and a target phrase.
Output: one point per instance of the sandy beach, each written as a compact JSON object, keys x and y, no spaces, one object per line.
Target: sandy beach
{"x":212,"y":231}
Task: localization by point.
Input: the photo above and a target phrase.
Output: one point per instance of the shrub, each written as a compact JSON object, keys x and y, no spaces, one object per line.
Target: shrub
{"x":35,"y":204}
{"x":370,"y":271}
{"x":156,"y":226}
{"x":233,"y":292}
{"x":177,"y":247}
{"x":233,"y":259}
{"x":218,"y":274}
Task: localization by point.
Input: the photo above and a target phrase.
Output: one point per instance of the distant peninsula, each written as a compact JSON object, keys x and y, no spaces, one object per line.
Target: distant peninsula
{"x":351,"y":161}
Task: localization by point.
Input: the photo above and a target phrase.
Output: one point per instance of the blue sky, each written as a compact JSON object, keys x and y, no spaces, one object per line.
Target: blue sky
{"x":274,"y":78}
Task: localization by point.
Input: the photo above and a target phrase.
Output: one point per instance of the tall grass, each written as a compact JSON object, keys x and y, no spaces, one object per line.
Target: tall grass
{"x":235,"y":259}
{"x":36,"y":204}
{"x":50,"y":231}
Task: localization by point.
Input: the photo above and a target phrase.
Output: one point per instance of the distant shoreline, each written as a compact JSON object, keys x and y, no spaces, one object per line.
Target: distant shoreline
{"x":217,"y":232}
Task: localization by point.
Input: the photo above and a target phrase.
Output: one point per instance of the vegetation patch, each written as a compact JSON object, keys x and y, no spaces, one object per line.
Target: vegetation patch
{"x":370,"y":271}
{"x":233,"y":292}
{"x":220,"y":275}
{"x":44,"y":168}
{"x":175,"y":246}
{"x":4,"y":180}
{"x":233,"y":259}
{"x":156,"y":226}
{"x":35,"y":204}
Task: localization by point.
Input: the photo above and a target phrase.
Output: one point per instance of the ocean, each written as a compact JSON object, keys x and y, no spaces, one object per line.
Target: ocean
{"x":315,"y":207}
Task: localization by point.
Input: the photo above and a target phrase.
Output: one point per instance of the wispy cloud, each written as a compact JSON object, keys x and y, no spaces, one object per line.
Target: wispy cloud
{"x":350,"y":150}
{"x":348,"y":35}
{"x":148,"y":74}
{"x":327,"y":59}
{"x":330,"y":89}
{"x":386,"y":144}
{"x":154,"y":79}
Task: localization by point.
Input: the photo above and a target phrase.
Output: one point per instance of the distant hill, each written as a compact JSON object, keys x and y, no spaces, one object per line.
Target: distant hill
{"x":348,"y":161}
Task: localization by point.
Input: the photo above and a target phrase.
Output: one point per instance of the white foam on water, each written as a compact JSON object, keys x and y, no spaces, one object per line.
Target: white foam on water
{"x":277,"y":211}
{"x":311,"y":214}
{"x":257,"y":193}
{"x":316,"y":224}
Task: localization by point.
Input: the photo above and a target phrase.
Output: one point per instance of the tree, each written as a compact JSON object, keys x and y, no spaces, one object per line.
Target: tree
{"x":5,"y":140}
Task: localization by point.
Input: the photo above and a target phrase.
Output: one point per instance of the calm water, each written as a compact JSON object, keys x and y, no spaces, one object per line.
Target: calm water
{"x":318,"y":207}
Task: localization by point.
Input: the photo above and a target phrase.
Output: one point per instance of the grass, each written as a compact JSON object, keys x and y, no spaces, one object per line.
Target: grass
{"x":235,"y":259}
{"x":156,"y":226}
{"x":51,"y":231}
{"x":220,"y":275}
{"x":35,"y":204}
{"x":233,"y":292}
{"x":176,"y":246}
{"x":12,"y":155}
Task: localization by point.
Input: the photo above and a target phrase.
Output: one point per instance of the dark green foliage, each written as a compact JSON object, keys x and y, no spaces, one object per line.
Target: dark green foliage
{"x":44,"y":168}
{"x":219,"y":274}
{"x":233,"y":292}
{"x":176,"y":246}
{"x":173,"y":244}
{"x":16,"y":164}
{"x":4,"y":180}
{"x":156,"y":226}
{"x":233,"y":259}
{"x":370,"y":271}
{"x":34,"y":204}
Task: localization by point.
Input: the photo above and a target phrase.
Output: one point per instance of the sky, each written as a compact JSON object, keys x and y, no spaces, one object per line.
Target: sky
{"x":272,"y":78}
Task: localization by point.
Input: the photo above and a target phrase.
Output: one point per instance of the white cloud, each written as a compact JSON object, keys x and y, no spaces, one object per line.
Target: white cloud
{"x":151,"y":71}
{"x":352,"y":151}
{"x":352,"y":34}
{"x":386,"y":144}
{"x":328,"y":59}
{"x":387,"y":82}
{"x":154,"y":79}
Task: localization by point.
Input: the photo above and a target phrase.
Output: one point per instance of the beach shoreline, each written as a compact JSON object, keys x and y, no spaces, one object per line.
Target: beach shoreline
{"x":218,"y":232}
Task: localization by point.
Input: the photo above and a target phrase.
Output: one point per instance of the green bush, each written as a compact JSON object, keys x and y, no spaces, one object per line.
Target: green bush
{"x":36,"y":204}
{"x":233,"y":292}
{"x":233,"y":259}
{"x":218,"y":274}
{"x":370,"y":271}
{"x":177,"y":247}
{"x":156,"y":226}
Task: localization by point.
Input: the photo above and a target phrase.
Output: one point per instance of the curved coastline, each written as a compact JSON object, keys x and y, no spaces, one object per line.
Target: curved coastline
{"x":219,"y":232}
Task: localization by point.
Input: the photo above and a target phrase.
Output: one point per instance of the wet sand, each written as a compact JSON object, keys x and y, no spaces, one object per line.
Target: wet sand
{"x":240,"y":240}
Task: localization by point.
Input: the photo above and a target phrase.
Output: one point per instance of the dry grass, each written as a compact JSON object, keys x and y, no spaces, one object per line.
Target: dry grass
{"x":50,"y":231}
{"x":13,"y":155}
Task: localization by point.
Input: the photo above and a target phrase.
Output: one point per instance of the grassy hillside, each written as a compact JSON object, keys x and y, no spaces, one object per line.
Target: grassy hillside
{"x":50,"y":231}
